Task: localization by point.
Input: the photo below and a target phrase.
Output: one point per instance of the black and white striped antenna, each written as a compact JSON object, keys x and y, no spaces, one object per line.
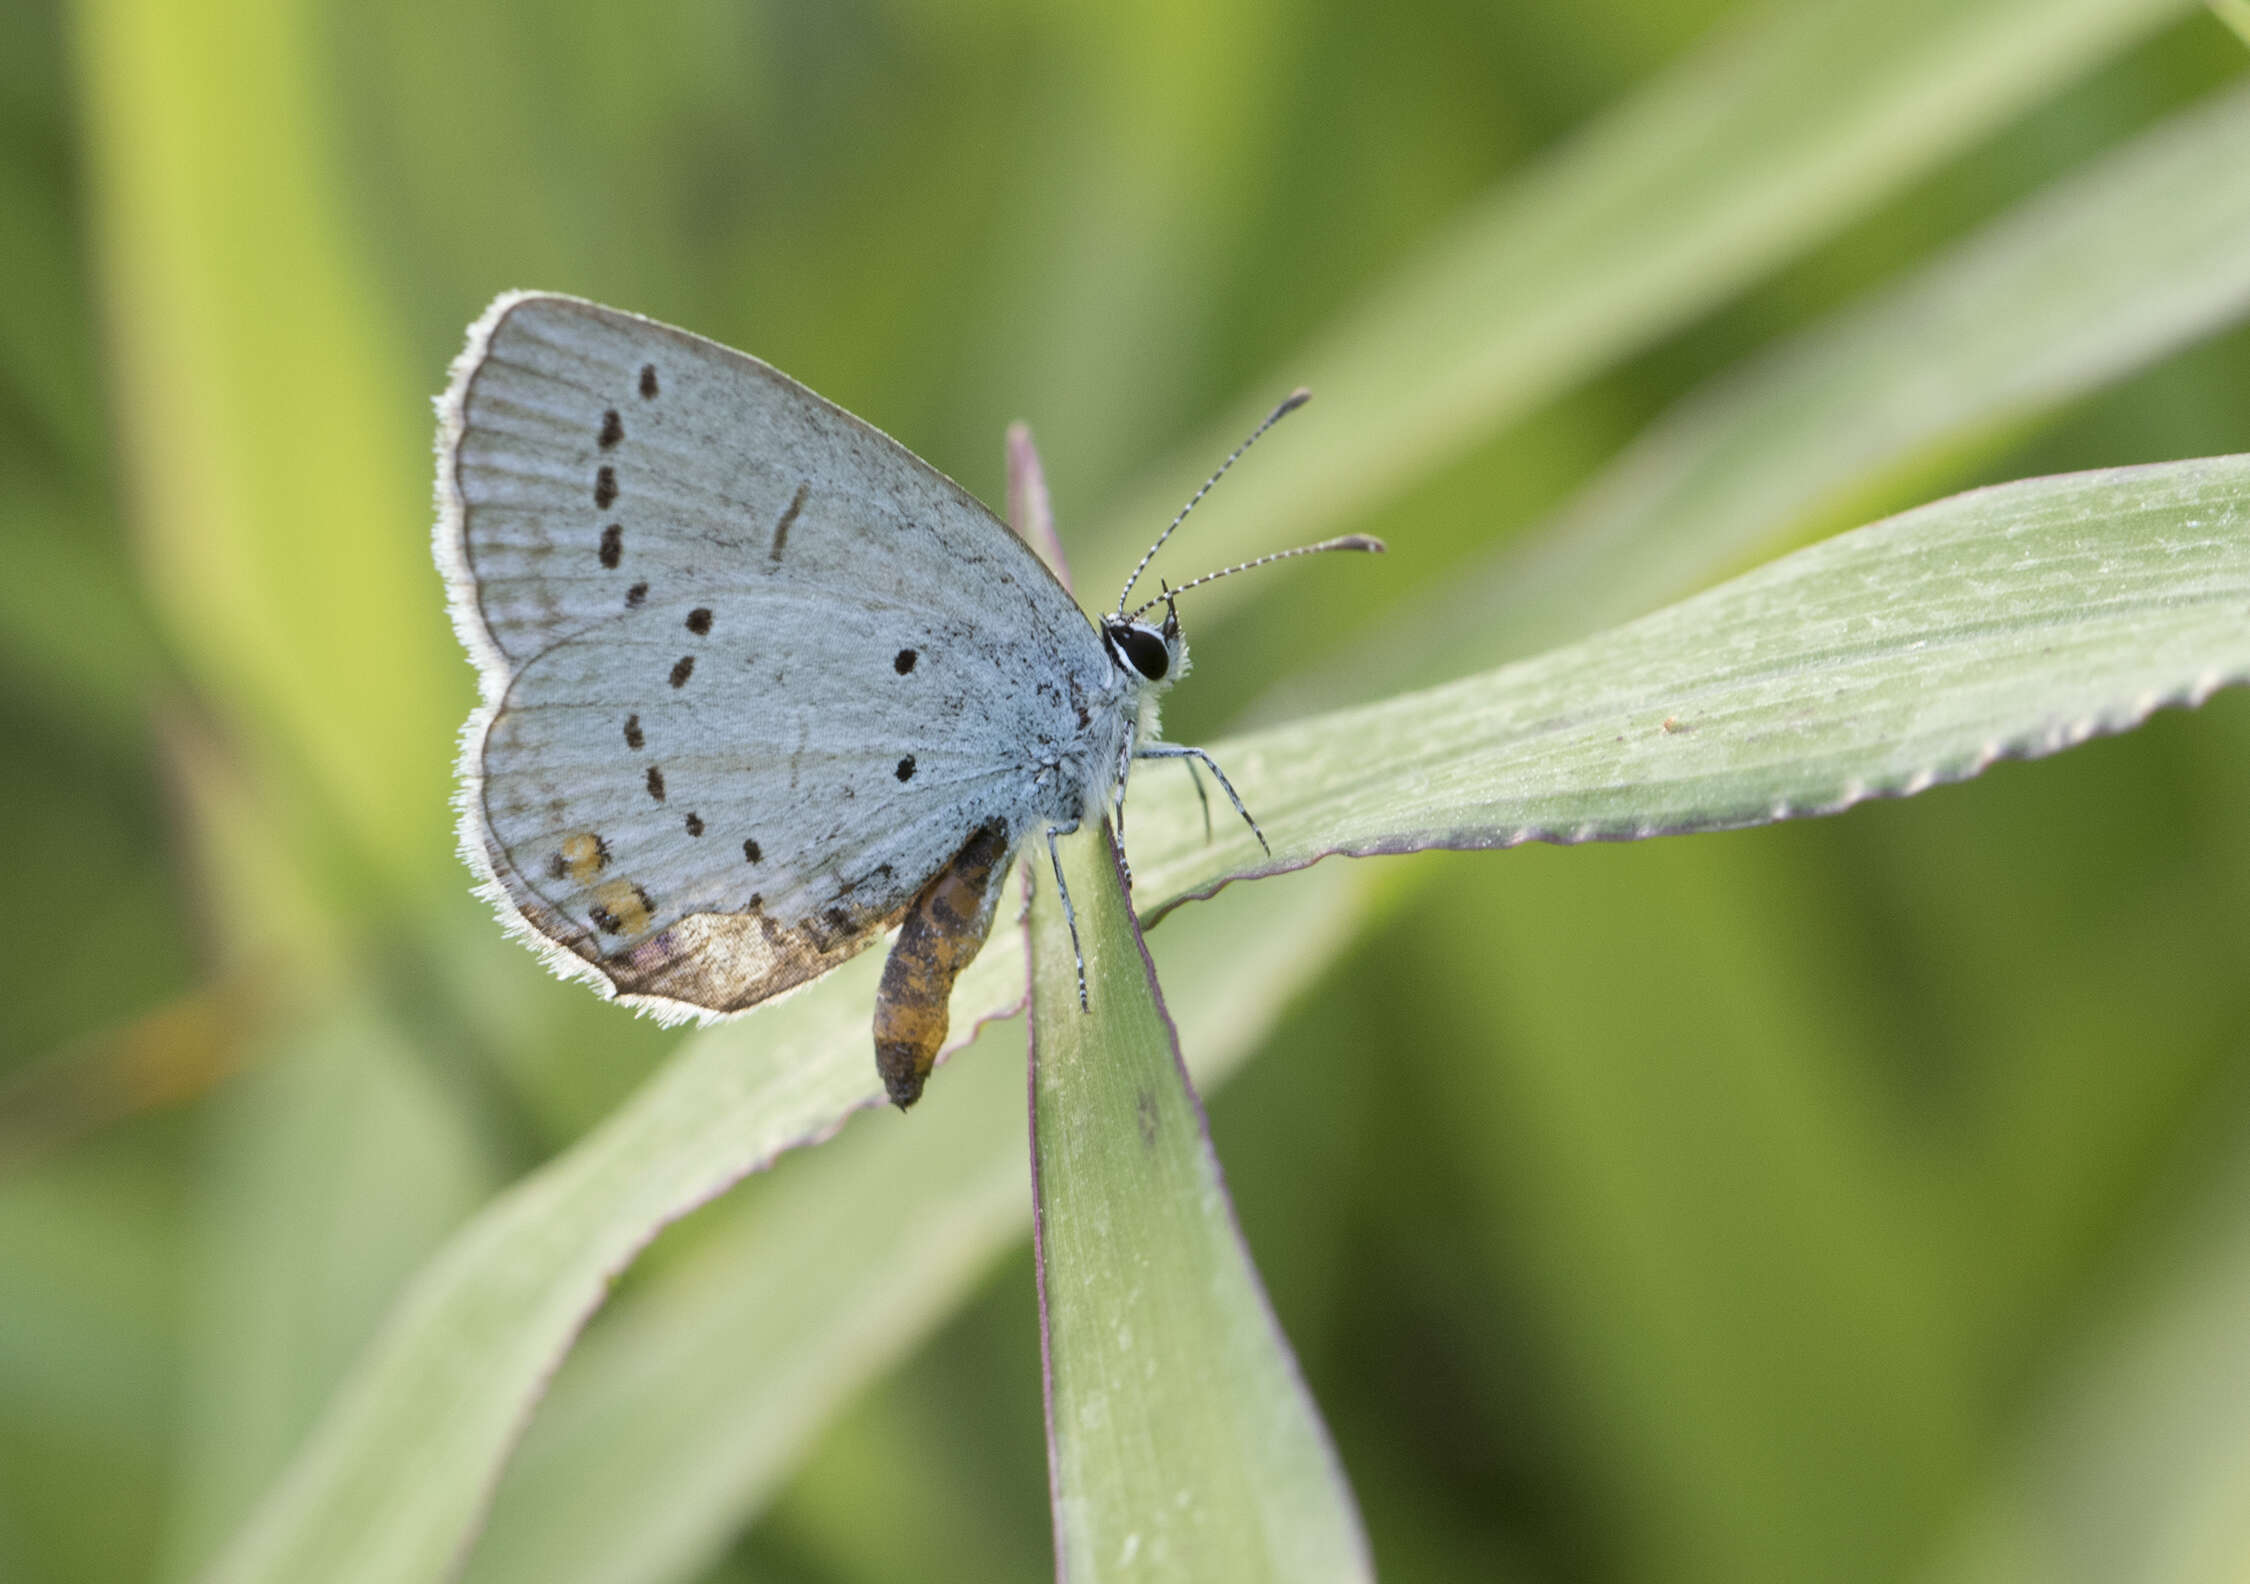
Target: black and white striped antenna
{"x":1296,"y":399}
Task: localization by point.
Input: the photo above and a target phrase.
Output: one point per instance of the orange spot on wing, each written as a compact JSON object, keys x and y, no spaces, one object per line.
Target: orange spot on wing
{"x":584,"y":856}
{"x":622,"y":908}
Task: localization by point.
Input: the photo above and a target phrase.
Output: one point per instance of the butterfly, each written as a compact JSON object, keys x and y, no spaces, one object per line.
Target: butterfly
{"x":758,"y":684}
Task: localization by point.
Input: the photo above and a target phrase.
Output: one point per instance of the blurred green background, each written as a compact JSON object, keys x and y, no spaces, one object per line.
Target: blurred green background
{"x":1862,"y":1199}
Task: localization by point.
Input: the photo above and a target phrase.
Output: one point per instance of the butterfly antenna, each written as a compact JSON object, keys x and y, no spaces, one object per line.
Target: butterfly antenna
{"x":1296,"y":399}
{"x":1367,"y":542}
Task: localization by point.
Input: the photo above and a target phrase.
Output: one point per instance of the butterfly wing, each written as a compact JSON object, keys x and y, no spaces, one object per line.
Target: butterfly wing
{"x":753,"y":672}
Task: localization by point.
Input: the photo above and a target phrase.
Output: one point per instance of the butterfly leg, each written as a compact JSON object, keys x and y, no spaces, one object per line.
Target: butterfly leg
{"x":1191,"y":755}
{"x":1070,"y":914}
{"x":1124,"y":773}
{"x":1195,"y":779}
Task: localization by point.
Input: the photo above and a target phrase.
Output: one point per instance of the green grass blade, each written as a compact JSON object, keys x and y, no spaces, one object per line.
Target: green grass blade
{"x":677,"y":1416}
{"x":1756,"y":146}
{"x":1181,"y":1440}
{"x":336,"y":1166}
{"x":2004,"y":623}
{"x":2109,"y":269}
{"x":681,"y":1412}
{"x":395,"y":1477}
{"x":277,"y":446}
{"x":392,"y":1484}
{"x":675,"y":1420}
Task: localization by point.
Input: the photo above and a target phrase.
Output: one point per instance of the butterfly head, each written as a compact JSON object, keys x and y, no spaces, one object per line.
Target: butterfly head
{"x":1156,"y":656}
{"x":1148,"y":656}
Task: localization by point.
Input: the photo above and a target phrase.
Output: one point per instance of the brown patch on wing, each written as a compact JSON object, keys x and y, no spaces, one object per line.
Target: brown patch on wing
{"x":726,"y":962}
{"x":944,"y":930}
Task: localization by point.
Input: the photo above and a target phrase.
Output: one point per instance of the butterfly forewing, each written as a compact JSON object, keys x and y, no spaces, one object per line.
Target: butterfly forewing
{"x":753,"y":672}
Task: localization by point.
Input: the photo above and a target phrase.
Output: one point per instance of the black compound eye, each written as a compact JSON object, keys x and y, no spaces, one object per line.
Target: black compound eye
{"x":1143,"y":650}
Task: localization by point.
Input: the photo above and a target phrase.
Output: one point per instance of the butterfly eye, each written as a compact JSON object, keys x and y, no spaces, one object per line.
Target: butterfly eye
{"x":1141,"y":648}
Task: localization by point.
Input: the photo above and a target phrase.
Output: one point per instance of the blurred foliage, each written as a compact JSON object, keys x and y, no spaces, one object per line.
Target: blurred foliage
{"x":1800,"y":1203}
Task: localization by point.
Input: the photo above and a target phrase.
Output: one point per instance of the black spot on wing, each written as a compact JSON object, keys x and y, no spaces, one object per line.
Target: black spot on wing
{"x":694,"y":824}
{"x":682,"y":668}
{"x":613,"y":546}
{"x":634,"y":595}
{"x":781,"y":528}
{"x":613,"y":429}
{"x":905,"y":770}
{"x":699,"y":621}
{"x":605,"y":487}
{"x":905,"y":661}
{"x":751,"y":852}
{"x":648,"y":381}
{"x":633,"y":735}
{"x":656,"y":783}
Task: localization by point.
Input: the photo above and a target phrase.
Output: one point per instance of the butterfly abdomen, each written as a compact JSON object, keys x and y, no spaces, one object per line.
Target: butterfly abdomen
{"x":941,"y":935}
